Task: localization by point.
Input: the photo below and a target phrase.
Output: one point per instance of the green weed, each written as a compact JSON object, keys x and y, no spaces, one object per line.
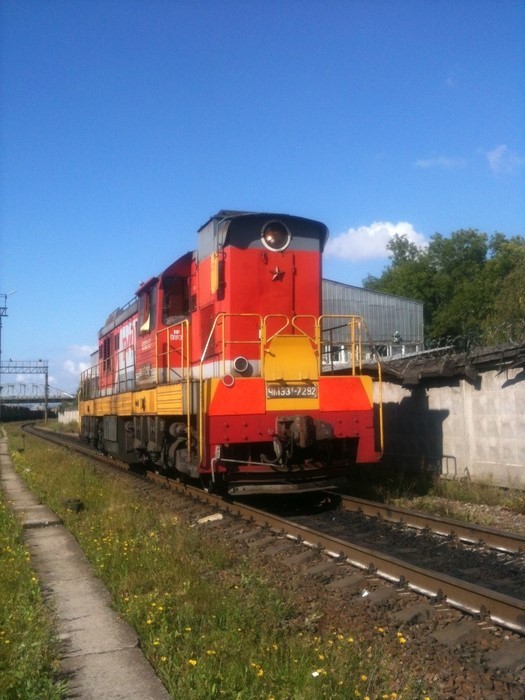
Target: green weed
{"x":28,"y":650}
{"x":212,"y":625}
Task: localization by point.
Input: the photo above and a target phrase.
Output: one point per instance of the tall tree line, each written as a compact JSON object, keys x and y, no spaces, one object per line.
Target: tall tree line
{"x":472,"y":284}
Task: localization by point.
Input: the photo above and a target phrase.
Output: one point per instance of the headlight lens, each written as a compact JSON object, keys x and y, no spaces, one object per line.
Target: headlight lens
{"x":275,"y":236}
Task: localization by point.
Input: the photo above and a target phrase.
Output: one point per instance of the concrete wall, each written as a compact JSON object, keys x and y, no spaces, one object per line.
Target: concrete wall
{"x":460,"y":429}
{"x":67,"y":416}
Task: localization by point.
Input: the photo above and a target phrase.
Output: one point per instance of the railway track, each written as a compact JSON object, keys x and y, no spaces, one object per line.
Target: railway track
{"x":466,"y":594}
{"x":466,"y":532}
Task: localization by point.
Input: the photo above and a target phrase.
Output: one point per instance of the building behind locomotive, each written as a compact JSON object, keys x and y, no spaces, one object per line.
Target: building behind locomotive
{"x":227,"y":384}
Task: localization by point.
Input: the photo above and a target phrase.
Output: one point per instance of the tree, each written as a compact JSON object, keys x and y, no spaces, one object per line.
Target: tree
{"x":507,"y":270}
{"x":470,"y":283}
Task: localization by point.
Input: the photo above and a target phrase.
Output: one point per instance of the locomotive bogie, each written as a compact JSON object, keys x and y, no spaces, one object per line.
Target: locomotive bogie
{"x":216,"y":370}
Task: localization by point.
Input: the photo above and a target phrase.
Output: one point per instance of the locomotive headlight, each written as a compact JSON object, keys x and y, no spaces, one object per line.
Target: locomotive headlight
{"x":275,"y":236}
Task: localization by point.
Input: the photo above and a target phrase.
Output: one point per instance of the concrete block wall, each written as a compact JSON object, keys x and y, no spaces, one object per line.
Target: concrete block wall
{"x":68,"y":416}
{"x":460,"y":429}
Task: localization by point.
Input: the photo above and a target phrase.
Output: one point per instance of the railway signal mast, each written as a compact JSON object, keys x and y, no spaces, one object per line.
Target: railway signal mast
{"x":3,"y":313}
{"x":40,"y":367}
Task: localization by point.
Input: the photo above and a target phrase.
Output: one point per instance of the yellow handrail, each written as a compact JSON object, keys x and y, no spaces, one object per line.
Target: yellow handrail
{"x":185,"y":369}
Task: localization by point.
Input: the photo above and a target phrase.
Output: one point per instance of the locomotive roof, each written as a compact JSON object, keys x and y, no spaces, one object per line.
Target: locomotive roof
{"x":225,"y":226}
{"x":119,"y":316}
{"x":225,"y":214}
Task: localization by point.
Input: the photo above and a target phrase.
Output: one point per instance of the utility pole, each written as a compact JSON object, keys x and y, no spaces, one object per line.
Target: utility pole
{"x":3,"y":313}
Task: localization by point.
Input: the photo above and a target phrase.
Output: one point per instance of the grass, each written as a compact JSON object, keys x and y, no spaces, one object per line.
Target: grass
{"x":427,"y":491}
{"x":482,"y":493}
{"x":28,"y":650}
{"x":57,"y":427}
{"x":211,"y":625}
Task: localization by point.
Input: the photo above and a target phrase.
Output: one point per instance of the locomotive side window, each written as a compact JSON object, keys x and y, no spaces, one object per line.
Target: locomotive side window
{"x":275,"y":236}
{"x":106,"y":354}
{"x":176,"y":299}
{"x":147,"y":310}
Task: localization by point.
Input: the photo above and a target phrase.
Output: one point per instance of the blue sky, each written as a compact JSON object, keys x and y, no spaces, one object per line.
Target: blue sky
{"x":125,"y":124}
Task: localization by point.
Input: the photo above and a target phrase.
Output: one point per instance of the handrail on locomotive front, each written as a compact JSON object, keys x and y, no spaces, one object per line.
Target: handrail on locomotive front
{"x":355,"y":347}
{"x":221,"y":317}
{"x":185,"y":364}
{"x":355,"y":326}
{"x":359,"y":323}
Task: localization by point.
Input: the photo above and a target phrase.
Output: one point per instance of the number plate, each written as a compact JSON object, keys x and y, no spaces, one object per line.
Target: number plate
{"x":291,"y":391}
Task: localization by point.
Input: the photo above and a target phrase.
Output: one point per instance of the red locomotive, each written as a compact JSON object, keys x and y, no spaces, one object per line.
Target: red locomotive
{"x":216,"y":370}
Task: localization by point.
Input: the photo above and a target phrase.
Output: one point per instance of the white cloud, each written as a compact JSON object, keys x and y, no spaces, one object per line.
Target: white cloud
{"x":75,"y":368}
{"x":502,"y":160}
{"x":441,"y":162}
{"x":82,"y":350}
{"x":369,"y":242}
{"x":78,"y":361}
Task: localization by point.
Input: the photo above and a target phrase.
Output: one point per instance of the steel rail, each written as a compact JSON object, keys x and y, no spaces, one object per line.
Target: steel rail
{"x":491,"y":537}
{"x":503,"y":610}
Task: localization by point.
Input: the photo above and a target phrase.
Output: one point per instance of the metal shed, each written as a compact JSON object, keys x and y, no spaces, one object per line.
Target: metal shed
{"x":395,"y":324}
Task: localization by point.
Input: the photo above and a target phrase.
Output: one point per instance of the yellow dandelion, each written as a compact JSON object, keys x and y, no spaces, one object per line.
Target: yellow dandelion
{"x":260,"y":672}
{"x":192,"y":662}
{"x":163,"y":659}
{"x":187,"y":629}
{"x":156,"y":642}
{"x":402,"y":640}
{"x":211,"y":652}
{"x":364,"y":678}
{"x":149,"y":621}
{"x":350,"y":640}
